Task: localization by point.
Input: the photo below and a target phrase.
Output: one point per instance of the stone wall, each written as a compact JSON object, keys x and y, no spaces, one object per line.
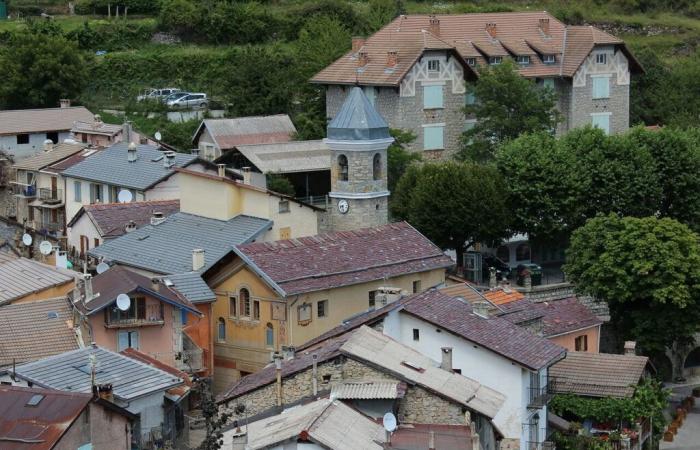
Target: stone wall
{"x":421,"y":406}
{"x":583,"y":104}
{"x":362,"y":213}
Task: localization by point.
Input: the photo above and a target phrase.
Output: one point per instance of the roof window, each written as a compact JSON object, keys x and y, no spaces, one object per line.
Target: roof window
{"x":549,"y":59}
{"x":494,"y":60}
{"x":523,"y":60}
{"x":35,"y":400}
{"x":471,"y":62}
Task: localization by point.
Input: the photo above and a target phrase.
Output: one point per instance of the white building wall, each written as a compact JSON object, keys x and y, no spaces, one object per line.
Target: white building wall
{"x":165,"y":190}
{"x":82,"y":227}
{"x":36,"y":144}
{"x":150,"y":408}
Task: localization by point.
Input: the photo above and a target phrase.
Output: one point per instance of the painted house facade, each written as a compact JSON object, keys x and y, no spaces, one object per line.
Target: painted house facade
{"x":417,"y":71}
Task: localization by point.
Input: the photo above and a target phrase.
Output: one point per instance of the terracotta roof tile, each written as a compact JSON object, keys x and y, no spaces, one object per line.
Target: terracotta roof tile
{"x":566,"y":315}
{"x":501,"y":295}
{"x":339,"y":259}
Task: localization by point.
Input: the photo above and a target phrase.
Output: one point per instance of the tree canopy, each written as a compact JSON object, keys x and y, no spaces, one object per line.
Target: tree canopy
{"x":398,"y":158}
{"x":454,"y":204}
{"x":647,"y":269}
{"x":506,"y":105}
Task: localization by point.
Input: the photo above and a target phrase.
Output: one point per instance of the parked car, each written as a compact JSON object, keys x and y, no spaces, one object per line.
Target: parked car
{"x":191,"y":100}
{"x":535,"y":271}
{"x":488,"y":261}
{"x":156,"y":94}
{"x":175,"y":96}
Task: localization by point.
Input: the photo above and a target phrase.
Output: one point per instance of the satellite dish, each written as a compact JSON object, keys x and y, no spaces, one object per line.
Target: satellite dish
{"x":123,"y":302}
{"x":102,"y":267}
{"x":125,"y":196}
{"x":27,"y":239}
{"x":158,"y":136}
{"x":389,"y":422}
{"x":45,"y":247}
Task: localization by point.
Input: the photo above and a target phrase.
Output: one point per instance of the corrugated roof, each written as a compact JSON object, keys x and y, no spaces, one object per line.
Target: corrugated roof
{"x":43,"y":159}
{"x":229,"y":133}
{"x":167,"y":248}
{"x":71,"y":372}
{"x":34,"y":330}
{"x":598,"y":374}
{"x":93,"y":127}
{"x":331,"y":424}
{"x":358,"y":120}
{"x":111,"y":166}
{"x":111,"y":218}
{"x":286,"y":157}
{"x":364,"y":390}
{"x":337,"y":259}
{"x":15,"y":121}
{"x":39,"y":427}
{"x":22,"y":276}
{"x":382,"y":351}
{"x":192,"y":287}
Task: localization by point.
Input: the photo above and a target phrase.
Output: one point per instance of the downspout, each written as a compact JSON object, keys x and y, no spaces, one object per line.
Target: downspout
{"x":290,"y":334}
{"x":314,"y":374}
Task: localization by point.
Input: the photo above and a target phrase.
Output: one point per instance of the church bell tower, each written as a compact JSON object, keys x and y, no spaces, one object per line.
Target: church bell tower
{"x":358,"y":138}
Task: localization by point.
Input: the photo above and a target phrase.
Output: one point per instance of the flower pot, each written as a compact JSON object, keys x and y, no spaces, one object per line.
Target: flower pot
{"x":668,"y":436}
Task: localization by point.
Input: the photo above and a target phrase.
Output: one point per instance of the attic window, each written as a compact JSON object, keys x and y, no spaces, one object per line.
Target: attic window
{"x":413,"y":366}
{"x":523,"y":60}
{"x":52,"y":315}
{"x":494,"y":60}
{"x":549,"y":59}
{"x":434,"y":65}
{"x":35,"y":400}
{"x":471,"y":62}
{"x":601,"y":58}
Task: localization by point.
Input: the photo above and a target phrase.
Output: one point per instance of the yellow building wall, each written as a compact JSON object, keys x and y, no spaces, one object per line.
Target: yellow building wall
{"x":54,"y":292}
{"x":208,"y":198}
{"x":568,"y":341}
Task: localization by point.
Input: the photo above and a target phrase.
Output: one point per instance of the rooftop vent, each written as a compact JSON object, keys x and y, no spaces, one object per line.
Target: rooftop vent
{"x":48,"y":145}
{"x":64,"y":103}
{"x":197,"y":259}
{"x":131,"y":226}
{"x":169,"y":159}
{"x":157,"y":218}
{"x":132,"y":152}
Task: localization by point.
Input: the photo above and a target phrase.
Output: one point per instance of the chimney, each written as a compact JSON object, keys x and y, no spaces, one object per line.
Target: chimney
{"x":491,"y":29}
{"x":630,"y":347}
{"x":314,"y":374}
{"x":392,"y":58}
{"x":221,"y":168}
{"x":126,"y":131}
{"x":168,"y":159}
{"x":132,"y":153}
{"x":157,"y":218}
{"x":97,"y":121}
{"x":357,"y":43}
{"x":278,"y":372}
{"x":481,"y":308}
{"x":544,"y":26}
{"x":64,"y":103}
{"x":131,"y":226}
{"x":493,"y":282}
{"x":197,"y":259}
{"x":105,"y":391}
{"x":446,"y":363}
{"x":246,"y":175}
{"x":434,"y":25}
{"x":289,"y":352}
{"x":362,"y":59}
{"x":48,"y":145}
{"x":87,"y":285}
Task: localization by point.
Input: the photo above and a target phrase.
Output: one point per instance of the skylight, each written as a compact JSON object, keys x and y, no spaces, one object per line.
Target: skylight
{"x":35,"y":400}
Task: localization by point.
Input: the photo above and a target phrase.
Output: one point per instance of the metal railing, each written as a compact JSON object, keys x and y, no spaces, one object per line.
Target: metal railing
{"x":315,"y":200}
{"x":48,"y":195}
{"x":26,"y":191}
{"x":135,"y":316}
{"x":541,"y":394}
{"x":546,"y":445}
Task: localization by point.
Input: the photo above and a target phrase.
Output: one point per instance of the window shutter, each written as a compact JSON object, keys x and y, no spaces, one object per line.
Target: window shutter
{"x":141,"y":308}
{"x":134,"y":338}
{"x":77,"y":189}
{"x":93,"y":194}
{"x":602,"y":122}
{"x":601,"y":87}
{"x":432,"y":97}
{"x":123,"y":340}
{"x":433,"y":138}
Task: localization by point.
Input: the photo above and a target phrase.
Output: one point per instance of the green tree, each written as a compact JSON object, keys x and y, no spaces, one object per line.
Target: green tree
{"x":179,"y":16}
{"x":39,"y":69}
{"x":214,"y":419}
{"x":398,"y":158}
{"x":280,"y":183}
{"x":454,"y":204}
{"x":647,"y":269}
{"x":506,"y":105}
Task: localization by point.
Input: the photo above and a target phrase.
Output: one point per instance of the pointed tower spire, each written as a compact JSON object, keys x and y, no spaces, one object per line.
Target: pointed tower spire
{"x":358,"y":120}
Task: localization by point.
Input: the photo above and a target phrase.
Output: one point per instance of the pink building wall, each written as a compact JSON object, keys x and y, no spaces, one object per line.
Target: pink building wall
{"x":568,"y":341}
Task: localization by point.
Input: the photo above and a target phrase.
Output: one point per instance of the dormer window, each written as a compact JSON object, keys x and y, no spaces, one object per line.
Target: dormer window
{"x":523,"y":60}
{"x":471,"y":62}
{"x":494,"y":60}
{"x":434,"y":65}
{"x":549,"y":59}
{"x":601,"y":58}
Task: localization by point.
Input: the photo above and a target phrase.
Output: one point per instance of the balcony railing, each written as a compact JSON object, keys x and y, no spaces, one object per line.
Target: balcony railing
{"x":541,"y":394}
{"x":135,"y":316}
{"x":48,"y":195}
{"x":25,"y":191}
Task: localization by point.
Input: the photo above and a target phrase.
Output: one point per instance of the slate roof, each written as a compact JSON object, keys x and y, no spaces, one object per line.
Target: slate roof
{"x":565,"y":316}
{"x":110,"y":166}
{"x":70,"y":371}
{"x":120,"y":280}
{"x":343,"y":258}
{"x":598,"y":374}
{"x":288,"y":157}
{"x":493,"y":333}
{"x":111,"y":219}
{"x":332,"y":424}
{"x":21,"y":277}
{"x":43,"y":159}
{"x":191,"y":286}
{"x":72,"y":160}
{"x":167,"y":248}
{"x":40,"y":427}
{"x":229,"y":133}
{"x":15,"y":121}
{"x":34,"y":330}
{"x":358,"y":120}
{"x":465,"y":34}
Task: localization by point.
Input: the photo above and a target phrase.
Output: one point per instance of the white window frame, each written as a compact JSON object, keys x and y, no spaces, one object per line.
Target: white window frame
{"x":471,"y":61}
{"x":601,"y":58}
{"x":495,"y":60}
{"x":602,"y":114}
{"x":433,"y":65}
{"x":434,"y":125}
{"x":549,"y":59}
{"x":524,"y":60}
{"x":594,"y":78}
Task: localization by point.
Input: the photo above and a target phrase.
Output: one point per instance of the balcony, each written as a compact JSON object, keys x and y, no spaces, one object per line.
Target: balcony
{"x":138,"y":315}
{"x":540,"y":394}
{"x":191,"y":358}
{"x":25,"y":190}
{"x":51,"y":196}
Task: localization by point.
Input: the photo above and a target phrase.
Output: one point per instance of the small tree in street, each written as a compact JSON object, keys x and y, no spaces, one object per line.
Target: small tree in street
{"x":214,"y":419}
{"x":454,"y":204}
{"x":506,"y":105}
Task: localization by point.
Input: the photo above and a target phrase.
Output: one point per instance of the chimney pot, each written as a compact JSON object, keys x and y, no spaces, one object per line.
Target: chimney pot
{"x":48,"y":145}
{"x":197,"y":259}
{"x":491,"y":29}
{"x":131,"y":226}
{"x":246,"y":175}
{"x":157,"y":218}
{"x":357,"y":43}
{"x":168,"y":159}
{"x":435,"y":25}
{"x":221,"y":168}
{"x":493,"y":282}
{"x":630,"y":347}
{"x":64,"y":103}
{"x":392,"y":58}
{"x":481,"y":308}
{"x":446,"y":359}
{"x":132,"y":152}
{"x":544,"y":26}
{"x":87,"y":281}
{"x":362,"y":59}
{"x":194,"y":151}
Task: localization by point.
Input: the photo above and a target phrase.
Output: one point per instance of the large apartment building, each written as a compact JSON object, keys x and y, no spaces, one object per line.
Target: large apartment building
{"x":417,"y":71}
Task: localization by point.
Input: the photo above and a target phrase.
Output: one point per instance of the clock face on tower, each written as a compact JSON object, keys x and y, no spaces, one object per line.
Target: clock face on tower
{"x":343,"y":206}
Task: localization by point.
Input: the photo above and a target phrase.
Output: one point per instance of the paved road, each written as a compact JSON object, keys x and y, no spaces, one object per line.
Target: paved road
{"x":688,"y":437}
